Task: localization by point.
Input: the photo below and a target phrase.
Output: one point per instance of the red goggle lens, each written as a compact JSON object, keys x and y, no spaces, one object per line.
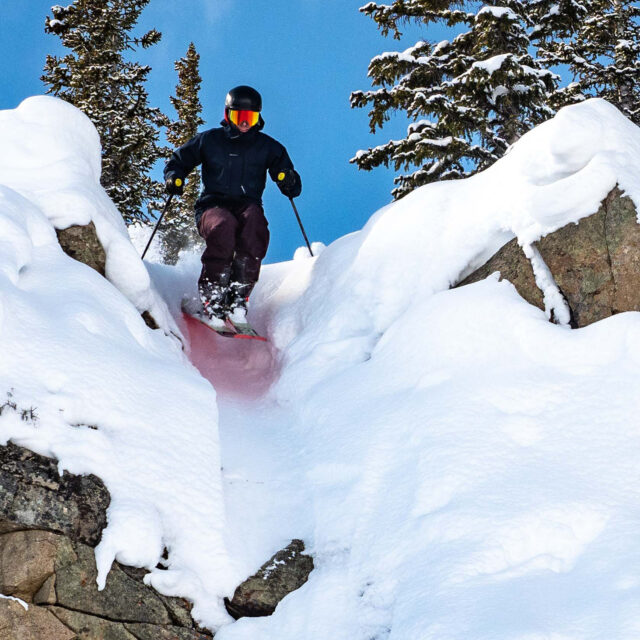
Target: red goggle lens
{"x":238,"y":116}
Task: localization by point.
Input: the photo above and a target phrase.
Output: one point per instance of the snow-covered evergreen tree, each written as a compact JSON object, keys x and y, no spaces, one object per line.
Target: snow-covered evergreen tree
{"x":470,"y":97}
{"x":506,"y":84}
{"x":179,"y":230}
{"x":96,"y":78}
{"x":599,"y":41}
{"x":557,"y":19}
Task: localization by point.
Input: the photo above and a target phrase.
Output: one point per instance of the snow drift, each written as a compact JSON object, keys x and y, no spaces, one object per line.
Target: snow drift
{"x":75,"y":347}
{"x":468,"y":468}
{"x":429,"y":240}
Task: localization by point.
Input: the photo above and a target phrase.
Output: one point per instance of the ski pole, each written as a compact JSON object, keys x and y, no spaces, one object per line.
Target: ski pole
{"x":301,"y":227}
{"x":166,"y":208}
{"x":281,"y":176}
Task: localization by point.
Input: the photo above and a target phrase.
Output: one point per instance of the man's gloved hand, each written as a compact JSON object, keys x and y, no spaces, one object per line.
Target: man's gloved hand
{"x":174,"y":186}
{"x":289,"y":183}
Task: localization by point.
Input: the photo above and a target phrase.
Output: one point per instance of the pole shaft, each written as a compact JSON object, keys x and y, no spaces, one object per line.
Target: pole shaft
{"x":166,"y":208}
{"x":295,"y":210}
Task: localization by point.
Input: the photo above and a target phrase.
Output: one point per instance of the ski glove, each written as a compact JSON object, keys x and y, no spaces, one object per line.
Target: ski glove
{"x":289,"y":183}
{"x":174,"y":186}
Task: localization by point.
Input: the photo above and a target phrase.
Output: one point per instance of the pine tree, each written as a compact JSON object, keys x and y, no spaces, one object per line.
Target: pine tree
{"x":110,"y":90}
{"x":470,"y":97}
{"x":599,"y":41}
{"x":504,"y":81}
{"x":179,"y":228}
{"x":554,"y":24}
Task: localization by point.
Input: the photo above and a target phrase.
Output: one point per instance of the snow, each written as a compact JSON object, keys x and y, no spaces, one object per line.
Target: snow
{"x":436,"y":235}
{"x":459,"y":467}
{"x":492,"y":64}
{"x":497,"y":12}
{"x":555,"y":305}
{"x":111,"y":396}
{"x":468,"y":468}
{"x":66,"y":160}
{"x":22,"y":603}
{"x":470,"y":479}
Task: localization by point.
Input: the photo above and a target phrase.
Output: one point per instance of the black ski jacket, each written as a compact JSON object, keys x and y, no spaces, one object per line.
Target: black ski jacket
{"x":234,"y":165}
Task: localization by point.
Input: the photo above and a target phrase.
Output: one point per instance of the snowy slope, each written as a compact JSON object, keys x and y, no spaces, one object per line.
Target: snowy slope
{"x":436,"y":235}
{"x":111,"y":396}
{"x":460,"y":468}
{"x":464,"y":469}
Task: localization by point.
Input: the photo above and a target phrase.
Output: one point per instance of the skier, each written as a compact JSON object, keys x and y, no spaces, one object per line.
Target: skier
{"x":235,"y":159}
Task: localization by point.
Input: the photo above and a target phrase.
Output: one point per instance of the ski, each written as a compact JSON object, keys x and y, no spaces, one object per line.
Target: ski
{"x":227,"y":331}
{"x":242,"y":331}
{"x":245,"y":330}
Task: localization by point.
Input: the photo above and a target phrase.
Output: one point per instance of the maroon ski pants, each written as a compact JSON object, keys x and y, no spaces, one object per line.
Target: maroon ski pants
{"x":233,"y":232}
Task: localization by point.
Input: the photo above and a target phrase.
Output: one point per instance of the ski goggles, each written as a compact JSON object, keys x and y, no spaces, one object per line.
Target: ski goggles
{"x":238,"y":116}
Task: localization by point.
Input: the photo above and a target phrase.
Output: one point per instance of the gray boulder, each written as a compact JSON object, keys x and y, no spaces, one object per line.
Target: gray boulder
{"x":34,"y":623}
{"x":33,"y":495}
{"x":283,"y":573}
{"x":57,"y":579}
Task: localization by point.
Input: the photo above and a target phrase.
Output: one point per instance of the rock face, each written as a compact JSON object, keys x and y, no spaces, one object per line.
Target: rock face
{"x":595,"y":263}
{"x":82,"y":244}
{"x":285,"y":572}
{"x":47,"y":524}
{"x":34,"y":496}
{"x":18,"y":623}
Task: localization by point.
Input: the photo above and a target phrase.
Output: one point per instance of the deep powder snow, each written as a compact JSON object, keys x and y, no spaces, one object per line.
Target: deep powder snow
{"x":459,"y":467}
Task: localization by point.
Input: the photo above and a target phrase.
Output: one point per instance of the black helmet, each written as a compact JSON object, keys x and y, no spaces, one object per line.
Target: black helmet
{"x":243,"y":97}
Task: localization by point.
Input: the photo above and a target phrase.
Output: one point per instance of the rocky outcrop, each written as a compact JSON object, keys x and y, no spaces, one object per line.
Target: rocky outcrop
{"x":32,"y":623}
{"x":48,"y":525}
{"x":56,"y":578}
{"x":595,"y":263}
{"x":82,"y":244}
{"x":283,"y":573}
{"x":34,"y":496}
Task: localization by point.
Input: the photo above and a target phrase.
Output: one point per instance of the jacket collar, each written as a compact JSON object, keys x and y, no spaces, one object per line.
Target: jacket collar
{"x":234,"y":134}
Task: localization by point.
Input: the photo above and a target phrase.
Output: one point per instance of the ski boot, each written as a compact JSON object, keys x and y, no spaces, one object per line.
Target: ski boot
{"x":238,"y":301}
{"x":239,"y":291}
{"x":213,"y":294}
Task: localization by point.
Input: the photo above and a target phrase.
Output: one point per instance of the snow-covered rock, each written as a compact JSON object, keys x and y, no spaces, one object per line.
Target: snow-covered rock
{"x":595,"y":263}
{"x":110,"y":396}
{"x":285,"y":572}
{"x":33,"y":495}
{"x":51,"y":157}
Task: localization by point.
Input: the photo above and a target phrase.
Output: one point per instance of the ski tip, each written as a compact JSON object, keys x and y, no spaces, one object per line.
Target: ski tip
{"x":245,"y":330}
{"x":246,"y":336}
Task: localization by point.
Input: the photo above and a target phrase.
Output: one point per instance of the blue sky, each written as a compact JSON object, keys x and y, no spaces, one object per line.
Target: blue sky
{"x":305,"y":57}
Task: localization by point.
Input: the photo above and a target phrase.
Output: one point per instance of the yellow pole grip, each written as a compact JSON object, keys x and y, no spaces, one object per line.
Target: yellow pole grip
{"x":281,"y":176}
{"x":178,"y":182}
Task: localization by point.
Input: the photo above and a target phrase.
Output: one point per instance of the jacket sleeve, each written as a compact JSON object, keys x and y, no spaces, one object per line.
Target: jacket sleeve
{"x":184,"y":159}
{"x":278,"y":161}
